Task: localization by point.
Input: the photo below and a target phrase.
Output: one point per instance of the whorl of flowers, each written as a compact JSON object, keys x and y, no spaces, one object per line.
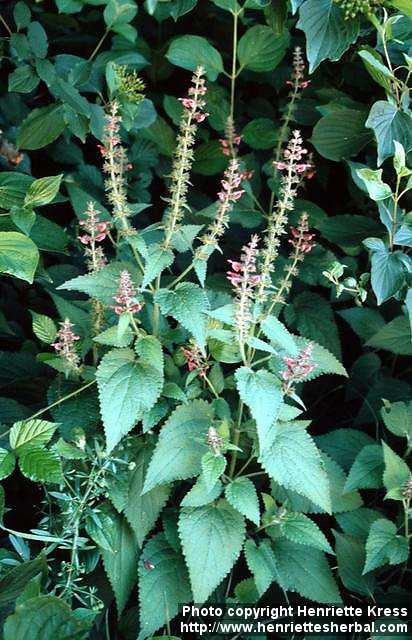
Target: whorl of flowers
{"x":302,"y":242}
{"x":297,"y":80}
{"x":230,"y":192}
{"x":96,"y":232}
{"x":244,"y":279}
{"x":195,"y":360}
{"x":115,"y":166}
{"x":296,"y":369}
{"x":214,"y":441}
{"x":193,"y":115}
{"x":65,"y":345}
{"x":230,"y":143}
{"x":125,"y":296}
{"x":407,"y":489}
{"x":293,"y":167}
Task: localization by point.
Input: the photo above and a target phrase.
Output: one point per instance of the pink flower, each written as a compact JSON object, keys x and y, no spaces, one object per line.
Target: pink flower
{"x":65,"y":344}
{"x":297,"y":369}
{"x":125,"y":296}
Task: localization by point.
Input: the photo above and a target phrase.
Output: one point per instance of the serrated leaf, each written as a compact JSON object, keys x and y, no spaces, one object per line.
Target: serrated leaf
{"x":128,"y":387}
{"x":367,"y":470}
{"x":262,"y":393}
{"x":31,"y":432}
{"x":350,"y":554}
{"x":241,"y":494}
{"x":396,"y":473}
{"x":157,"y":259}
{"x":163,"y":585}
{"x":299,"y":528}
{"x":306,"y":573}
{"x":212,"y":468}
{"x":187,"y":304}
{"x":325,"y":362}
{"x":16,"y":579}
{"x":199,"y":495}
{"x":276,"y":332}
{"x":385,"y":546}
{"x":179,"y":449}
{"x":398,"y":418}
{"x":142,"y":511}
{"x":261,"y":561}
{"x":45,"y":618}
{"x":102,"y":285}
{"x":40,"y":465}
{"x":120,"y":560}
{"x":294,"y":462}
{"x":212,"y":538}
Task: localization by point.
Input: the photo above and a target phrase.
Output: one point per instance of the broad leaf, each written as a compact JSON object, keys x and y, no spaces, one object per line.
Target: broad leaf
{"x":163,"y":584}
{"x":367,"y":470}
{"x":299,"y":528}
{"x":212,"y":538}
{"x":29,"y":432}
{"x":262,"y":393}
{"x":242,"y":495}
{"x":261,"y":561}
{"x":19,"y":255}
{"x":187,"y":304}
{"x":190,"y":52}
{"x":260,"y":49}
{"x":181,"y":445}
{"x":389,"y":124}
{"x":385,"y":546}
{"x":40,"y":465}
{"x":341,"y":134}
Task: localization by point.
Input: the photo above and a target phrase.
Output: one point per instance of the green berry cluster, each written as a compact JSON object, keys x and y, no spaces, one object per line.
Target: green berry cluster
{"x":130,"y":86}
{"x":353,"y":8}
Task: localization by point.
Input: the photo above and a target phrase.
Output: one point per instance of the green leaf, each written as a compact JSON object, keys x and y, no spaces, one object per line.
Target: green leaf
{"x":37,"y":38}
{"x":119,"y":12}
{"x":294,"y":462}
{"x":404,"y":6}
{"x":385,"y":546}
{"x":102,"y":285}
{"x":13,"y":188}
{"x":43,"y":191}
{"x":397,"y":417}
{"x":187,"y":304}
{"x":307,"y":573}
{"x":21,"y":15}
{"x":328,"y":34}
{"x":7,"y":462}
{"x":387,"y":270}
{"x":19,"y":255}
{"x":260,"y":133}
{"x":262,"y":393}
{"x":16,"y":579}
{"x":212,"y":468}
{"x":23,"y":79}
{"x":179,"y":449}
{"x":120,"y":561}
{"x":364,"y":322}
{"x":45,"y":618}
{"x":350,"y":554}
{"x":261,"y":561}
{"x":31,"y":432}
{"x":41,"y":127}
{"x":389,"y":124}
{"x":325,"y":362}
{"x":190,"y":52}
{"x":260,"y":50}
{"x":396,"y":473}
{"x":128,"y":386}
{"x":241,"y":494}
{"x":157,"y":259}
{"x":142,"y":511}
{"x":377,"y":189}
{"x":313,"y":317}
{"x":340,"y":134}
{"x":212,"y":538}
{"x":277,"y":333}
{"x":299,"y":528}
{"x":43,"y":327}
{"x":367,"y":470}
{"x":40,"y":465}
{"x":163,"y":585}
{"x":376,"y":68}
{"x":199,"y":495}
{"x":395,"y":336}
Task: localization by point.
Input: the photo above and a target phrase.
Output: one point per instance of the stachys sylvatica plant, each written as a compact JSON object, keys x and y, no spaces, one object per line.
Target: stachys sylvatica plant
{"x":207,"y":399}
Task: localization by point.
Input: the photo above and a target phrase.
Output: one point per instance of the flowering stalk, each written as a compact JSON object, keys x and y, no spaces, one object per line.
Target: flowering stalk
{"x":244,"y":279}
{"x":96,"y":232}
{"x":302,"y":243}
{"x":214,"y":441}
{"x":230,"y":143}
{"x":125,"y":296}
{"x":193,"y":115}
{"x":115,"y":166}
{"x":229,"y":194}
{"x":296,"y":83}
{"x":65,"y":345}
{"x":294,"y":167}
{"x":296,"y":369}
{"x":195,"y":360}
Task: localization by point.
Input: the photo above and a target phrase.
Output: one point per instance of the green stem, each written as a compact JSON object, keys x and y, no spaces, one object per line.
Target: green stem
{"x":236,"y":438}
{"x":211,"y":387}
{"x":67,"y":397}
{"x":99,"y":44}
{"x":233,"y":73}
